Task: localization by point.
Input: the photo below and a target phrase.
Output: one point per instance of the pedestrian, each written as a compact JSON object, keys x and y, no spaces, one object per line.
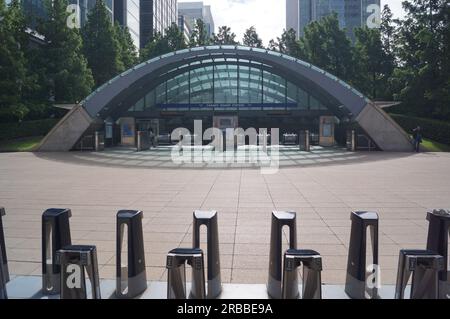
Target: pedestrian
{"x":417,"y":138}
{"x":151,"y":137}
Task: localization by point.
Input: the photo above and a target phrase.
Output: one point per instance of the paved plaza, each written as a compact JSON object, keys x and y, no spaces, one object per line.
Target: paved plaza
{"x":401,"y":187}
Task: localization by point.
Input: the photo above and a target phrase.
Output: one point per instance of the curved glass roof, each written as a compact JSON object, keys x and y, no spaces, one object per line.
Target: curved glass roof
{"x":227,"y":83}
{"x":241,"y":75}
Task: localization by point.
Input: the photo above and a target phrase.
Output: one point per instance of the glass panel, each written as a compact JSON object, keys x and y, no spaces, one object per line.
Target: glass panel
{"x":292,"y":95}
{"x":315,"y":104}
{"x":202,"y":85}
{"x":274,"y":89}
{"x":150,"y":100}
{"x":139,"y":106}
{"x":302,"y":99}
{"x":250,"y":85}
{"x":161,"y":94}
{"x":226,"y":84}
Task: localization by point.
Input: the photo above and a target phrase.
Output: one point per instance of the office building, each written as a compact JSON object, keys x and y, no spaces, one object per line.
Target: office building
{"x":351,"y":13}
{"x":156,"y":16}
{"x":127,"y":14}
{"x":192,"y":11}
{"x":185,"y":25}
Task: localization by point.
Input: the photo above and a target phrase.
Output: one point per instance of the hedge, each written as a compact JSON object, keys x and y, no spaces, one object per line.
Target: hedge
{"x":437,"y":131}
{"x":10,"y":131}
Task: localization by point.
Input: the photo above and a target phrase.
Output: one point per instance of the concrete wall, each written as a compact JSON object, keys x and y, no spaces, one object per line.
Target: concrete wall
{"x":383,"y":130}
{"x":67,"y":132}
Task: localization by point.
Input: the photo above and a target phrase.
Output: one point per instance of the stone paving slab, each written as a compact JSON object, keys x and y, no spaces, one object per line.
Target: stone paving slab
{"x":29,"y":287}
{"x":401,"y":187}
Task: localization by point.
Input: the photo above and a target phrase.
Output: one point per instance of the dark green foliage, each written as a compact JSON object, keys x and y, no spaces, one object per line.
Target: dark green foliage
{"x":26,"y":129}
{"x":252,"y":39}
{"x":13,"y":64}
{"x":173,"y":40}
{"x":328,"y":47}
{"x":128,"y":54}
{"x":224,"y":36}
{"x":438,"y":131}
{"x":101,"y":46}
{"x":63,"y":71}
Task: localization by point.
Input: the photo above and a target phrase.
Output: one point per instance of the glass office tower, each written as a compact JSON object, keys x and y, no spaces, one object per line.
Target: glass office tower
{"x":351,"y":13}
{"x":127,"y":14}
{"x":156,"y":16}
{"x":193,"y":11}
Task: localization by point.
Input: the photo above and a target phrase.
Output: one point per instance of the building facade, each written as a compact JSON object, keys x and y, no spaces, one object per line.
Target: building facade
{"x":351,"y":13}
{"x":127,"y":14}
{"x":156,"y":16}
{"x":192,"y":11}
{"x":184,"y":24}
{"x":35,"y":9}
{"x":226,"y":87}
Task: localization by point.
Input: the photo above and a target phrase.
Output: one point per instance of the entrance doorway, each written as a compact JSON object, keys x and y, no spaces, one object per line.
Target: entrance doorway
{"x":224,"y":123}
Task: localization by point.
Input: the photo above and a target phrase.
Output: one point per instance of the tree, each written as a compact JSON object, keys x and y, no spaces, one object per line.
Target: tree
{"x":199,"y":35}
{"x":12,"y":62}
{"x":128,"y":54}
{"x":325,"y":45}
{"x":156,"y":47}
{"x":287,"y":44}
{"x":101,"y":45}
{"x":224,"y":37}
{"x":422,"y":47}
{"x":374,"y":64}
{"x":252,"y":39}
{"x":173,"y":40}
{"x":64,"y":71}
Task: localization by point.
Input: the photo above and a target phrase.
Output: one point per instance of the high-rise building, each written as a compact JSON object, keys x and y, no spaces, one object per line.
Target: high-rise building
{"x":184,"y":24}
{"x":351,"y":13}
{"x":193,"y":11}
{"x":35,"y":9}
{"x":156,"y":16}
{"x":127,"y":14}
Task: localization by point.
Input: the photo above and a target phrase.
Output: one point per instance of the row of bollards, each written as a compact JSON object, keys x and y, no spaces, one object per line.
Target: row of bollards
{"x":427,"y":269}
{"x":65,"y":267}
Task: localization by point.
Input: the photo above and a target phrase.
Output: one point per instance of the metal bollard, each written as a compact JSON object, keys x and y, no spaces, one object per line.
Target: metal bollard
{"x":424,"y":266}
{"x":351,"y":141}
{"x":4,"y":272}
{"x":209,"y":219}
{"x":438,"y":233}
{"x":356,"y":285}
{"x":312,"y":268}
{"x":176,"y":273}
{"x":131,"y":280}
{"x":303,"y":141}
{"x":279,"y":219}
{"x":143,"y":141}
{"x":75,"y":262}
{"x":55,"y":235}
{"x":99,"y":142}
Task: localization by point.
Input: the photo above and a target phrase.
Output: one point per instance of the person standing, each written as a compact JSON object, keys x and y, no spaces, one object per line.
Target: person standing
{"x":151,"y":137}
{"x":417,"y":137}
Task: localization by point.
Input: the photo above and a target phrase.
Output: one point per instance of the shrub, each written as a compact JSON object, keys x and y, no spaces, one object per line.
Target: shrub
{"x":10,"y":131}
{"x":431,"y":129}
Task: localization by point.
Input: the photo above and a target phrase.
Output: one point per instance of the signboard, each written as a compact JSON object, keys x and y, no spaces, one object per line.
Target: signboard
{"x":228,"y":105}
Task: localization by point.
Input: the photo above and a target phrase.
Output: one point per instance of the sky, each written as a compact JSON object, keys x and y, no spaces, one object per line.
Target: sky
{"x":268,"y":16}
